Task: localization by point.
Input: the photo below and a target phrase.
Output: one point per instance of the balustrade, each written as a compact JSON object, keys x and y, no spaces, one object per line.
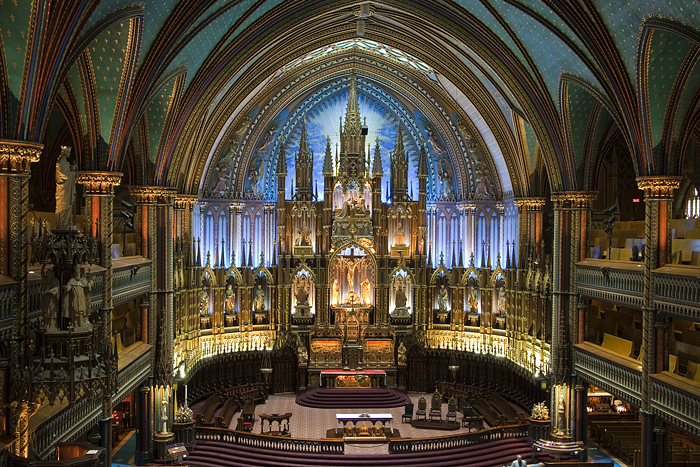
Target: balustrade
{"x":676,"y":400}
{"x":268,"y":442}
{"x":619,"y":282}
{"x":406,"y":446}
{"x":677,"y":290}
{"x":612,"y":372}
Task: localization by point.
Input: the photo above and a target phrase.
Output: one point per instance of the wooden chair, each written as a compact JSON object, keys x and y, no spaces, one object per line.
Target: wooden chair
{"x":408,"y":413}
{"x":422,"y":405}
{"x":436,"y":406}
{"x":451,"y":410}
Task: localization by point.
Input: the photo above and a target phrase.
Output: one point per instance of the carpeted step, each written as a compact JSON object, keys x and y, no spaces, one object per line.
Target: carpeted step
{"x":220,"y":454}
{"x":324,"y":398}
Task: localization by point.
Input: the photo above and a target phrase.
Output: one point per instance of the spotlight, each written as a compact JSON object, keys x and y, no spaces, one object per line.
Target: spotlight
{"x":611,"y":209}
{"x":126,"y":204}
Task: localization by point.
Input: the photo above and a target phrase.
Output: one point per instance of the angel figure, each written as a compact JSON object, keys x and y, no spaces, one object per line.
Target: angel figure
{"x":224,"y":176}
{"x":434,"y":143}
{"x":255,"y":174}
{"x":445,"y":176}
{"x":265,"y":144}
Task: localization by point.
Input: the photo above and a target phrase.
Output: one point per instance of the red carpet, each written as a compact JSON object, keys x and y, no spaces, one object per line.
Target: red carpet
{"x":343,"y":398}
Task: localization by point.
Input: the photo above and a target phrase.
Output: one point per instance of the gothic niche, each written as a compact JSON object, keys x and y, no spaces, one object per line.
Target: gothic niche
{"x":352,"y":208}
{"x":303,"y":219}
{"x":472,"y":302}
{"x":442,"y":299}
{"x":260,"y":300}
{"x":499,"y":303}
{"x":231,"y":302}
{"x":303,"y":294}
{"x":400,"y":295}
{"x":352,"y":288}
{"x":205,"y":302}
{"x":399,"y":231}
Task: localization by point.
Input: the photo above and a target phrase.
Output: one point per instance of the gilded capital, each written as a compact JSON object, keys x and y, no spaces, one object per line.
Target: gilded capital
{"x":659,"y":187}
{"x":575,"y":199}
{"x":532,"y":204}
{"x":99,"y":183}
{"x":153,"y":194}
{"x":185,"y":201}
{"x":15,"y":156}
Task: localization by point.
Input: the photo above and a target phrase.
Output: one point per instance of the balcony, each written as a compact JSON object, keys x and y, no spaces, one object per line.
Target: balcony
{"x":609,"y":370}
{"x":677,"y":290}
{"x":676,"y":399}
{"x":131,"y":278}
{"x":620,"y":282}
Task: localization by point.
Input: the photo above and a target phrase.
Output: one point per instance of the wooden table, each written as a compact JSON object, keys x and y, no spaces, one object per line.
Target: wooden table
{"x":279,"y":418}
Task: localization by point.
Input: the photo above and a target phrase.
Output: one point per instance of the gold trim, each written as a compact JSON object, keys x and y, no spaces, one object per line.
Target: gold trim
{"x":659,"y":186}
{"x":530,"y":203}
{"x":185,"y":201}
{"x":99,"y":183}
{"x":154,"y":194}
{"x":15,"y":156}
{"x":577,"y":199}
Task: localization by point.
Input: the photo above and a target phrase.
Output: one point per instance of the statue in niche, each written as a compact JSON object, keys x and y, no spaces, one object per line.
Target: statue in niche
{"x":400,"y":296}
{"x":229,"y":300}
{"x":50,"y":288}
{"x":336,"y":292}
{"x":442,"y":299}
{"x":302,"y":294}
{"x":259,"y":300}
{"x":445,"y":176}
{"x":204,"y":301}
{"x":304,"y":237}
{"x":164,"y":417}
{"x":75,"y":304}
{"x":399,"y":237}
{"x":352,"y":265}
{"x":502,"y":300}
{"x":473,"y":300}
{"x":65,"y":189}
{"x":366,"y":292}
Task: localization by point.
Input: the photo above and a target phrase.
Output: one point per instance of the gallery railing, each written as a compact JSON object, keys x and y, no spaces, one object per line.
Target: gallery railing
{"x":268,"y":442}
{"x":620,"y":282}
{"x":131,"y":277}
{"x":677,"y":400}
{"x":677,"y":290}
{"x":613,"y":372}
{"x":409,"y":445}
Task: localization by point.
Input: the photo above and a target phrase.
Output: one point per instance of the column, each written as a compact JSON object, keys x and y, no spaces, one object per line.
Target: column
{"x":99,"y":186}
{"x":15,"y":160}
{"x":658,"y":199}
{"x":143,"y":441}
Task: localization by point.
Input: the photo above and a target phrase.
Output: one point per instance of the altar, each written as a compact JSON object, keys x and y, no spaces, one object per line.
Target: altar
{"x":364,"y":424}
{"x":353,"y":379}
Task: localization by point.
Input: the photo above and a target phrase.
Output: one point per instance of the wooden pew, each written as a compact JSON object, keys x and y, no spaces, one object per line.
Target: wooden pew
{"x":617,"y":345}
{"x":228,"y":410}
{"x":205,"y":417}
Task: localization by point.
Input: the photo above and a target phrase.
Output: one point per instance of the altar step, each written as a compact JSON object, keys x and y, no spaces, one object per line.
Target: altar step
{"x":354,"y":398}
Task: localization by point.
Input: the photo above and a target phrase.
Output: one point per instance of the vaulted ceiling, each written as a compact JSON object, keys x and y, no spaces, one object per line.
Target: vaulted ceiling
{"x":537,"y":90}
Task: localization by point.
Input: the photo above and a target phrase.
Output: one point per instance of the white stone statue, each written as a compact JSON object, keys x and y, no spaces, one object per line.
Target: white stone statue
{"x":164,"y":417}
{"x":74,"y":302}
{"x":65,"y":189}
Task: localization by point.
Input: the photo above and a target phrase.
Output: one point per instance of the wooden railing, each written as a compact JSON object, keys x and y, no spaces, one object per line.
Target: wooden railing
{"x":677,"y":400}
{"x":409,"y":445}
{"x":275,"y":443}
{"x":677,"y":290}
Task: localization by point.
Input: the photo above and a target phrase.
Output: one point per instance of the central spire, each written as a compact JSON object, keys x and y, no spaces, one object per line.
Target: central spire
{"x":353,"y":122}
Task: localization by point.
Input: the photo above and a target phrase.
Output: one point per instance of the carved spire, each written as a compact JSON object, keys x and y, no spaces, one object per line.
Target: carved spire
{"x":304,"y":166}
{"x":328,"y":159}
{"x":422,"y":162}
{"x":377,"y":169}
{"x":353,"y":122}
{"x":399,"y":169}
{"x":281,"y":161}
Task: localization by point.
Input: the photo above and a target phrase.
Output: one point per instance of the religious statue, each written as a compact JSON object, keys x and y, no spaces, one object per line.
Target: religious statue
{"x":86,"y":284}
{"x":50,"y":288}
{"x":400,"y":297}
{"x":264,"y":145}
{"x":74,"y":302}
{"x":229,"y":300}
{"x":164,"y":417}
{"x":65,"y":189}
{"x":302,"y":294}
{"x":204,"y":301}
{"x":442,"y":298}
{"x":434,"y":143}
{"x":255,"y":174}
{"x":399,"y":237}
{"x":366,"y":292}
{"x":336,"y":292}
{"x":259,"y":300}
{"x":484,"y":187}
{"x":445,"y":176}
{"x":502,"y":299}
{"x":224,"y":177}
{"x":401,"y":354}
{"x":303,"y":354}
{"x":473,"y":300}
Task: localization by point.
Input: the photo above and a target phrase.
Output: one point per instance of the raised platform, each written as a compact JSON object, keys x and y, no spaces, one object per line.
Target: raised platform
{"x":435,"y":425}
{"x":364,"y":439}
{"x":352,"y":398}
